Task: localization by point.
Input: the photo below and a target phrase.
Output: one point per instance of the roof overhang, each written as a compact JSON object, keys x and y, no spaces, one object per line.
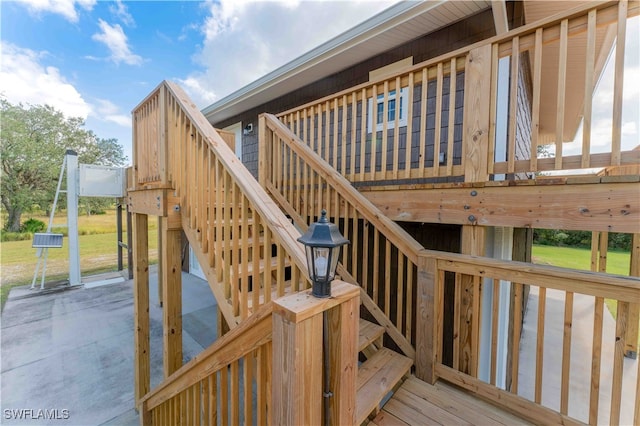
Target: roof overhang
{"x":400,"y":23}
{"x":576,"y":66}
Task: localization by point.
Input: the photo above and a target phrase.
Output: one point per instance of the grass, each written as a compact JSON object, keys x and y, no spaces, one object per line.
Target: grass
{"x":580,"y":258}
{"x":98,"y":252}
{"x":618,"y":262}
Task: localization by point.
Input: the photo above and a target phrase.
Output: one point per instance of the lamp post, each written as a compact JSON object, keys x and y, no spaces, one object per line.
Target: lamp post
{"x":322,"y":243}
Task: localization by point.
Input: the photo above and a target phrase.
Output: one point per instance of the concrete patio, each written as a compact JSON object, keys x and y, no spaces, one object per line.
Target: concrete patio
{"x":67,"y":353}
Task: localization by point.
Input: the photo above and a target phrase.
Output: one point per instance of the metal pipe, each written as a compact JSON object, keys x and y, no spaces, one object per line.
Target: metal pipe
{"x":119,"y":235}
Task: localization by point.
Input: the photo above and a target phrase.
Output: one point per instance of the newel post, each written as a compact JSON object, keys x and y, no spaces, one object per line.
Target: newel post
{"x":297,"y":356}
{"x":429,"y":318}
{"x":476,"y":120}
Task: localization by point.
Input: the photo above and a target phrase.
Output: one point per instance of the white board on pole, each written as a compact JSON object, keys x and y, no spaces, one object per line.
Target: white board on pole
{"x":102,"y":181}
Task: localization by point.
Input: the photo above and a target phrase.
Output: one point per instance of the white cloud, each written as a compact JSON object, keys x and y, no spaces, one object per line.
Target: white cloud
{"x":200,"y":94}
{"x":108,"y":111}
{"x":115,"y":39}
{"x":24,"y":79}
{"x":244,"y":40}
{"x":119,"y":9}
{"x":66,"y":8}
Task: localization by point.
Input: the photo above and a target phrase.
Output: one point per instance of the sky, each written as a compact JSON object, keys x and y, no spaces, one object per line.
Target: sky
{"x":98,"y":59}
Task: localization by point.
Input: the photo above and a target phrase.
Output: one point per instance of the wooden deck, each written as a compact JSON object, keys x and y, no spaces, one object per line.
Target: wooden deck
{"x":418,"y":403}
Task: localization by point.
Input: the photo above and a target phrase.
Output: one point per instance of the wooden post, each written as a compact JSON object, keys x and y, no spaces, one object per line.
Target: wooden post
{"x":297,"y":356}
{"x":263,"y":149}
{"x":631,"y":336}
{"x":477,"y":92}
{"x":473,"y":243}
{"x":343,"y":341}
{"x":172,"y":298}
{"x":142,"y":369}
{"x":160,"y":221}
{"x":428,"y":325}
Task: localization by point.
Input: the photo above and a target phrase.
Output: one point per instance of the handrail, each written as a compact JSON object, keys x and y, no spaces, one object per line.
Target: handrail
{"x":340,"y":128}
{"x":259,"y":199}
{"x":369,"y":211}
{"x":382,"y":256}
{"x":592,"y":283}
{"x":251,"y":335}
{"x":570,"y":297}
{"x":246,"y":246}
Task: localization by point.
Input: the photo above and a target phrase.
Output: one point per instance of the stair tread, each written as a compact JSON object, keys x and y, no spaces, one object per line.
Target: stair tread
{"x":368,"y":333}
{"x":376,"y":378}
{"x":261,"y":266}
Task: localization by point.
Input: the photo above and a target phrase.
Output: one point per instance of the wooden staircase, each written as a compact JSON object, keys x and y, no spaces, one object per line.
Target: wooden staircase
{"x":248,"y":251}
{"x":380,"y":374}
{"x":381,"y":371}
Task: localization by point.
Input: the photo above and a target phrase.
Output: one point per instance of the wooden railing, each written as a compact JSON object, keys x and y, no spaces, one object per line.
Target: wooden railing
{"x":268,"y":369}
{"x":228,"y":383}
{"x":409,"y":126}
{"x":562,"y":376}
{"x":381,"y":257}
{"x":245,"y":244}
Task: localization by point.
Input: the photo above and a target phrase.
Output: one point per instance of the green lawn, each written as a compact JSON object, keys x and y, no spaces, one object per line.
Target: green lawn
{"x":618,"y":262}
{"x":580,"y":258}
{"x":98,"y":252}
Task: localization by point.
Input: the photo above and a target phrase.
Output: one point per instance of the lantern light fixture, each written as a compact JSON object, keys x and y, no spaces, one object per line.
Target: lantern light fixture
{"x":322,"y":242}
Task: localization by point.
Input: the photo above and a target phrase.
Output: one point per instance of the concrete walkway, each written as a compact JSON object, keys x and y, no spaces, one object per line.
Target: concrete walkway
{"x":67,"y":354}
{"x":581,"y":347}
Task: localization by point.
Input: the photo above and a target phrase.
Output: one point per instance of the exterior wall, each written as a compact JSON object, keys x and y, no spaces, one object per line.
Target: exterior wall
{"x":460,"y":34}
{"x":323,"y":142}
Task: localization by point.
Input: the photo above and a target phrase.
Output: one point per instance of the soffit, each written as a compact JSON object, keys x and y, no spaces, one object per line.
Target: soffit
{"x":576,"y":66}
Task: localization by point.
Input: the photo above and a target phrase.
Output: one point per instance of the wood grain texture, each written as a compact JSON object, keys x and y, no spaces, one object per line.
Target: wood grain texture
{"x":142,"y":350}
{"x":477,"y":89}
{"x":426,"y":325}
{"x":172,"y":297}
{"x":604,"y":206}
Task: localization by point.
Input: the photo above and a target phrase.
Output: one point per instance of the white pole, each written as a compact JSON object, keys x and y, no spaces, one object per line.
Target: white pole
{"x":72,"y":218}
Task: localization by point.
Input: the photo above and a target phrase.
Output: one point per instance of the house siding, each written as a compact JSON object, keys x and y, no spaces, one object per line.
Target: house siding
{"x":475,"y":28}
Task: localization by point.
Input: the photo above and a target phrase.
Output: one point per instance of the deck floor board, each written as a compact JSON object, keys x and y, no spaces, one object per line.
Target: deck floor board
{"x":419,"y":403}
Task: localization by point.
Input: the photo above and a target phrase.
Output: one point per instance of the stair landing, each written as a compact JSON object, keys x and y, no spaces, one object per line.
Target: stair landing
{"x":419,"y":403}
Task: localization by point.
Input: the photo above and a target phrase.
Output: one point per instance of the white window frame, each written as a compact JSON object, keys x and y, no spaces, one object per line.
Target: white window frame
{"x":391,"y":124}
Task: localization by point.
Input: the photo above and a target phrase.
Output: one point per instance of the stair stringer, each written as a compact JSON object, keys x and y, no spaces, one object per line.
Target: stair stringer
{"x":209,"y":272}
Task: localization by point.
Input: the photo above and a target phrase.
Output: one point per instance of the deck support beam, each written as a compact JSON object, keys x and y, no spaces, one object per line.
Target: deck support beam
{"x":142,"y":369}
{"x":597,"y":206}
{"x":172,"y":297}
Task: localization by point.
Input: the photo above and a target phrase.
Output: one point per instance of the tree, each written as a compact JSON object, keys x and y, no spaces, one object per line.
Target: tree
{"x":33,"y":141}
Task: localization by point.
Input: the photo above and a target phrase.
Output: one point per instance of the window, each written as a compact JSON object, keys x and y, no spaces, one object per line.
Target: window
{"x":395,"y":107}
